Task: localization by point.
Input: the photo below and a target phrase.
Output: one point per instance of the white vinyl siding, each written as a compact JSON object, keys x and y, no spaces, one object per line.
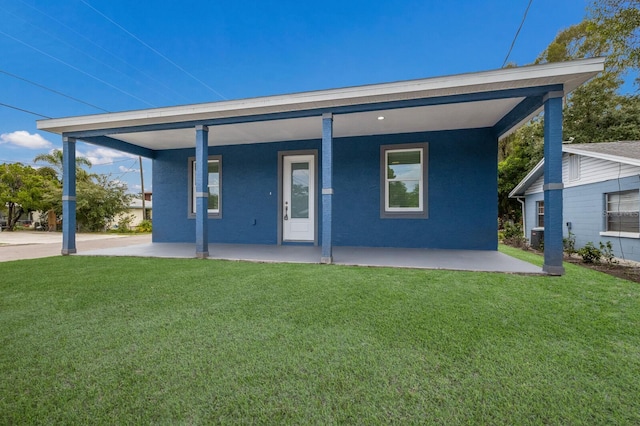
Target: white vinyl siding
{"x":590,"y":170}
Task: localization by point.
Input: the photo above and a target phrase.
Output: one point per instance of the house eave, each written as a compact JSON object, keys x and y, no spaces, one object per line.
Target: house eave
{"x":569,"y":74}
{"x":528,"y":180}
{"x":601,"y":156}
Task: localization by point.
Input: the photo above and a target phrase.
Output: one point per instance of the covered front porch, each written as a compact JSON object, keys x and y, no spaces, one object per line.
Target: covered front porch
{"x":219,"y":168}
{"x":456,"y":260}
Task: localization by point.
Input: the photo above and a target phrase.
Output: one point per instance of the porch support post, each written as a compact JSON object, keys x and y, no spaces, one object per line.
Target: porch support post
{"x":202,"y":191}
{"x":327,"y":187}
{"x":68,"y":195}
{"x":553,"y":186}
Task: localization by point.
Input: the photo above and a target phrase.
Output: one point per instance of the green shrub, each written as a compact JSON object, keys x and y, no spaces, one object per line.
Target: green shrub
{"x":569,"y":244}
{"x":607,"y":253}
{"x":124,"y":224}
{"x":144,"y":226}
{"x":513,"y":235}
{"x":590,"y":253}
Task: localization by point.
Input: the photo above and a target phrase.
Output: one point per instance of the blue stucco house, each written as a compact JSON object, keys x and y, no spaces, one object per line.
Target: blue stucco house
{"x":402,"y":164}
{"x":600,"y":197}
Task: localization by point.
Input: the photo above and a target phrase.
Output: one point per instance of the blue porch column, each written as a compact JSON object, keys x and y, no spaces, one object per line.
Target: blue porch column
{"x":327,"y":187}
{"x":68,"y":195}
{"x":202,"y":191}
{"x":553,"y":186}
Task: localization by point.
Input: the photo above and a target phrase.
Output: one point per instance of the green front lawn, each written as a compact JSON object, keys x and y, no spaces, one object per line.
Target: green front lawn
{"x":126,"y":340}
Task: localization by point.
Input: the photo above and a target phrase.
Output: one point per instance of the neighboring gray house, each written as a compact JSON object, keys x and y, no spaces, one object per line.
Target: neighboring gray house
{"x":601,"y":186}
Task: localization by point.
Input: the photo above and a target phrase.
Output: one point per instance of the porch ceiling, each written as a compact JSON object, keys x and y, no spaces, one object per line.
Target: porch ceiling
{"x":442,"y":117}
{"x":502,"y":99}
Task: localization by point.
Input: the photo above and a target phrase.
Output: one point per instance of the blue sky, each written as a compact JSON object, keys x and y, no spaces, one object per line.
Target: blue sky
{"x":121,"y":55}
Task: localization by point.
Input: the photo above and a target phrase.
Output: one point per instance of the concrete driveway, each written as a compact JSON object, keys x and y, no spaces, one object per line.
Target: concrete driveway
{"x":33,"y":244}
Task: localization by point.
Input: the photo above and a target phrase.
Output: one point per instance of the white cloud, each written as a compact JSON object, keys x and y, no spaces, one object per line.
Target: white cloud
{"x":25,"y":139}
{"x":124,"y":169}
{"x":102,"y":156}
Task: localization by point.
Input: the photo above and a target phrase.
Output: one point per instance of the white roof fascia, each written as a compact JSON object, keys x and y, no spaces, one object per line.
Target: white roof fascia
{"x":526,"y":182}
{"x":535,"y":173}
{"x":507,"y":78}
{"x":601,"y":156}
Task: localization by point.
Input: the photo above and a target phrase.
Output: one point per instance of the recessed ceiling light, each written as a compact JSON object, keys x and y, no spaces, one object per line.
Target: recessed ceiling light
{"x":381,"y":117}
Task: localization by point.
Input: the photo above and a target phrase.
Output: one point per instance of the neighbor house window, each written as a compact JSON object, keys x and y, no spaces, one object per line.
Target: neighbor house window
{"x":540,"y":213}
{"x":214,"y":167}
{"x":403,"y":181}
{"x":574,"y":167}
{"x":622,"y":212}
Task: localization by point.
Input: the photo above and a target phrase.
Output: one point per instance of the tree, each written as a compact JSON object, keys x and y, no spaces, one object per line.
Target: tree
{"x":98,"y":201}
{"x":522,"y":151}
{"x":618,"y":24}
{"x":596,"y":111}
{"x":21,"y":191}
{"x":55,"y":161}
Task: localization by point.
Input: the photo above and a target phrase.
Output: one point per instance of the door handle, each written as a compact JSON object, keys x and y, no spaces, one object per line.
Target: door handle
{"x":286,"y":210}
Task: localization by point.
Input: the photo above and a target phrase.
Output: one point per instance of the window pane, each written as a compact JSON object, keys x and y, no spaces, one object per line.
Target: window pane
{"x":404,"y":194}
{"x":214,"y":185}
{"x":623,"y":222}
{"x":213,"y":176}
{"x":622,"y":212}
{"x":214,"y":196}
{"x":403,"y":165}
{"x":300,"y":190}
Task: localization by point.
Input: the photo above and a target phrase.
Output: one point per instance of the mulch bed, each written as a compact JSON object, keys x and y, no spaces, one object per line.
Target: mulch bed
{"x":626,"y":272}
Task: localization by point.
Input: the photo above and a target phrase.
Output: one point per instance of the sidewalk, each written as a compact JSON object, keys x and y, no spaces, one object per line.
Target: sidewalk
{"x":32,"y":245}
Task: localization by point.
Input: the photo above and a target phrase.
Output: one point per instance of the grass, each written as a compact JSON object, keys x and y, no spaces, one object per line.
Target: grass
{"x":130,"y":340}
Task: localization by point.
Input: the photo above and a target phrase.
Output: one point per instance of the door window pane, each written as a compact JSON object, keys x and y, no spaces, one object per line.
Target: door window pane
{"x":300,"y":190}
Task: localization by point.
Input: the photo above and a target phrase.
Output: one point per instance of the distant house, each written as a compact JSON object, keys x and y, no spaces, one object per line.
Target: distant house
{"x":135,"y":210}
{"x":408,"y":164}
{"x":601,"y":195}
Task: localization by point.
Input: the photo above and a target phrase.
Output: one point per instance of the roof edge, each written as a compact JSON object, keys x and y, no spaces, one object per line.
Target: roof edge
{"x":429,"y":87}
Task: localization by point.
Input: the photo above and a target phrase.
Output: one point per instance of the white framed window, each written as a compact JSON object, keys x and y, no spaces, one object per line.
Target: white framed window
{"x":540,"y":213}
{"x":623,"y":212}
{"x":574,"y":167}
{"x":403,"y":181}
{"x":214,"y":200}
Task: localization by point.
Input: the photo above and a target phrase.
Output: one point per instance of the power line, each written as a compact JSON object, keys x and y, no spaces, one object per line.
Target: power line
{"x":517,"y":33}
{"x":53,"y":36}
{"x":75,"y":68}
{"x":51,"y":90}
{"x":154,"y":50}
{"x":23,"y":110}
{"x":148,"y":76}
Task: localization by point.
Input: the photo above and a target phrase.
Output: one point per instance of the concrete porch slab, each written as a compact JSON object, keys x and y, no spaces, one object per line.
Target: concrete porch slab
{"x":461,"y":260}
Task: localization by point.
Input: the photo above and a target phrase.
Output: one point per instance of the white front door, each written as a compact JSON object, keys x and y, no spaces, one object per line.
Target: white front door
{"x":298,"y":189}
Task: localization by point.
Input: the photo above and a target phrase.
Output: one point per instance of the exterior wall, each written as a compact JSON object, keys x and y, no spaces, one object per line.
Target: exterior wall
{"x":584,"y":208}
{"x":462,"y":193}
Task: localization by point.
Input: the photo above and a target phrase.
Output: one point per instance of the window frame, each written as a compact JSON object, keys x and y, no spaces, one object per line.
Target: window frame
{"x":422,"y":211}
{"x":573,"y":171}
{"x":609,"y":213}
{"x":211,"y":213}
{"x":539,"y":204}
